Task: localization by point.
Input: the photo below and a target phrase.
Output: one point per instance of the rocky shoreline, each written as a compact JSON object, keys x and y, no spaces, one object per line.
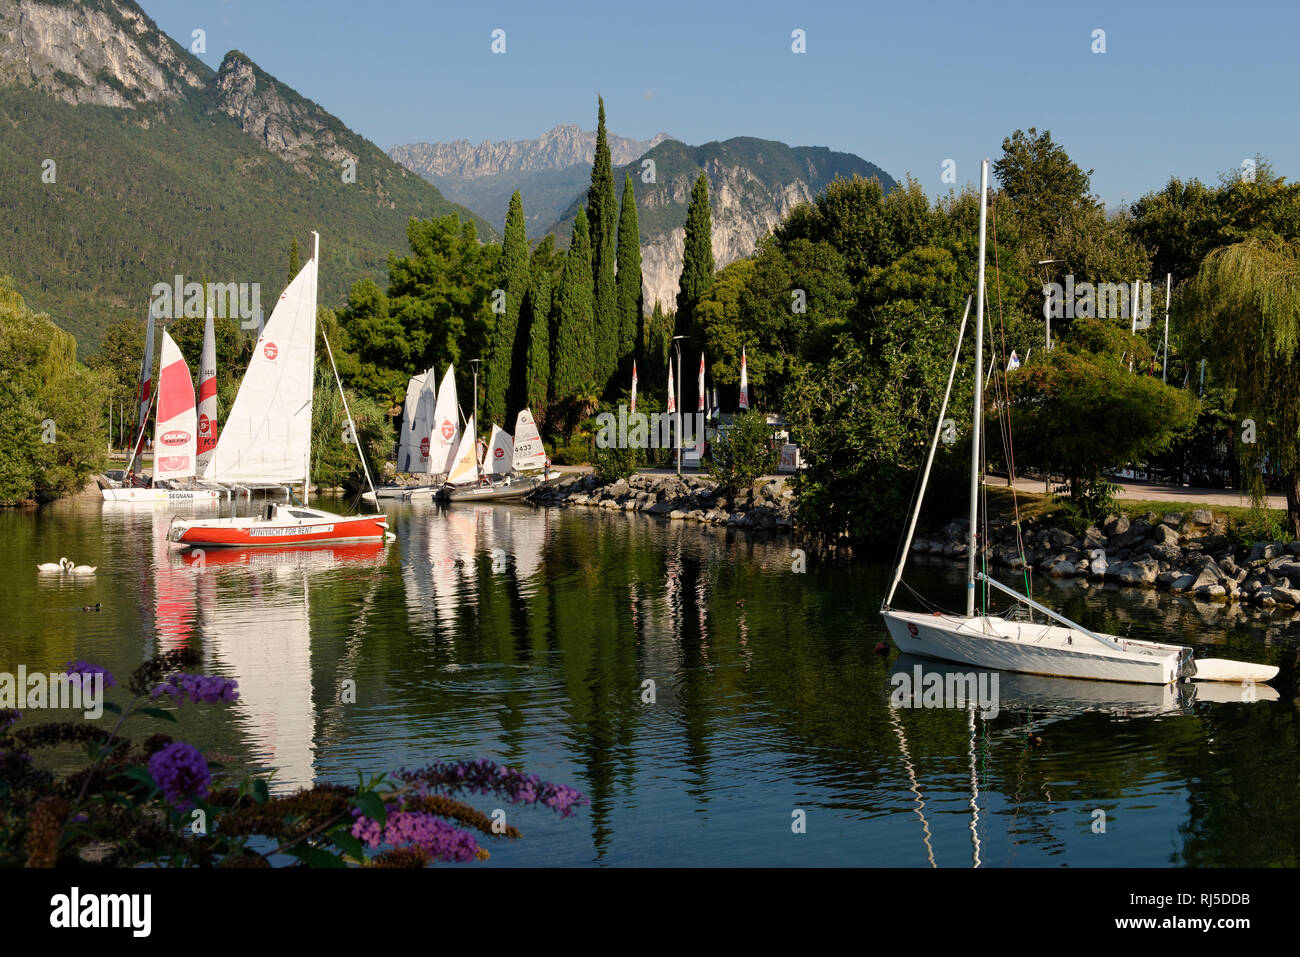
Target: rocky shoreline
{"x":1190,"y":554}
{"x":768,"y":504}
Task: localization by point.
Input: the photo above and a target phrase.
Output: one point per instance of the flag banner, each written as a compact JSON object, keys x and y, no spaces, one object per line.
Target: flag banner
{"x":672,"y":392}
{"x":633,"y":385}
{"x":700,"y":406}
{"x":744,"y":381}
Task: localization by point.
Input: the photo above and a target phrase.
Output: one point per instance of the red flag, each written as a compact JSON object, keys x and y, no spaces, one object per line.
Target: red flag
{"x":744,"y":381}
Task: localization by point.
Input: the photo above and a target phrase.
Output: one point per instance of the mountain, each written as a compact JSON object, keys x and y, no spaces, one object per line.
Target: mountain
{"x":753,"y":183}
{"x":140,"y":163}
{"x":547,"y":170}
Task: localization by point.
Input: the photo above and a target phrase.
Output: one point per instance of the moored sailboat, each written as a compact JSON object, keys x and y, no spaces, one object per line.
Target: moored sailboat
{"x":267,"y":437}
{"x":1063,"y":648}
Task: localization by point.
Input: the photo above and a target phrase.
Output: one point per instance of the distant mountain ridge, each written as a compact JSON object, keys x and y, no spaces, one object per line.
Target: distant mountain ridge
{"x":559,"y":147}
{"x":142,"y":163}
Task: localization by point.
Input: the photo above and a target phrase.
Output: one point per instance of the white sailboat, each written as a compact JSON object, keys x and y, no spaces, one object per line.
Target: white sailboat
{"x":1064,"y":648}
{"x":528,"y":454}
{"x":267,"y":438}
{"x":175,"y":437}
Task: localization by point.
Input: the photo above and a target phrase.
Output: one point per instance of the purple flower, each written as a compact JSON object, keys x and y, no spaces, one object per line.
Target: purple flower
{"x":79,"y":670}
{"x":488,"y":777}
{"x":196,"y":688}
{"x":180,"y":771}
{"x":442,"y":841}
{"x":8,"y":717}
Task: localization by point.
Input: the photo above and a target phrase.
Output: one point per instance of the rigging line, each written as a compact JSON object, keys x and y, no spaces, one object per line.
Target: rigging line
{"x":974,"y":794}
{"x":915,"y":787}
{"x":1009,"y":445}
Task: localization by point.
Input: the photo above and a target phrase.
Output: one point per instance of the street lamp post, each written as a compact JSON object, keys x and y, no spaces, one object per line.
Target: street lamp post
{"x":678,"y":346}
{"x":1047,"y":313}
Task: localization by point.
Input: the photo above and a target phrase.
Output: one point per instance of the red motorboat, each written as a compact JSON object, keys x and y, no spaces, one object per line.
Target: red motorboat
{"x":278,"y":525}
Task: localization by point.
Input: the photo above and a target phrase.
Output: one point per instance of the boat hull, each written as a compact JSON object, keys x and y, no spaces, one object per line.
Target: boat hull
{"x":1031,"y":648}
{"x":262,"y":533}
{"x":495,"y":492}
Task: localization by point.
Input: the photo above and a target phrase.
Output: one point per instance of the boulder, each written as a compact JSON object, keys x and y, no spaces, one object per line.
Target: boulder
{"x":1210,"y":574}
{"x":1172,"y":520}
{"x":1165,"y":534}
{"x":1286,"y":596}
{"x":1142,"y":573}
{"x":1200,"y":516}
{"x":1212,"y":592}
{"x":1116,"y":526}
{"x":1093,"y":538}
{"x":1062,"y":569}
{"x":1182,"y":583}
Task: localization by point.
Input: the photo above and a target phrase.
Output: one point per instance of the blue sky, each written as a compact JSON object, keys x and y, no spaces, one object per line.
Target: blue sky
{"x":1188,"y":88}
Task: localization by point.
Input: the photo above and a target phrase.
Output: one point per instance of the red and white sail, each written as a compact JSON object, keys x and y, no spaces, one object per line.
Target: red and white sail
{"x":528,"y":453}
{"x":207,"y":429}
{"x":501,"y":449}
{"x":176,"y":433}
{"x":445,"y":435}
{"x":267,"y":436}
{"x":744,"y":381}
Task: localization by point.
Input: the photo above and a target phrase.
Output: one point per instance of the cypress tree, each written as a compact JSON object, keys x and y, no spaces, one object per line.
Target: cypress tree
{"x":575,"y":333}
{"x":515,"y":280}
{"x":697,"y":260}
{"x":603,"y":208}
{"x":628,"y":284}
{"x":294,"y":264}
{"x":539,"y":346}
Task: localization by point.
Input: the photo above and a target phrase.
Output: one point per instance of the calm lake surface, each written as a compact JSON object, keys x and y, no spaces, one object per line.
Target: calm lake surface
{"x":528,"y":636}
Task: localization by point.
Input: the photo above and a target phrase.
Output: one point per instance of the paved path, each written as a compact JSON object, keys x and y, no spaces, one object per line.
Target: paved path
{"x":1160,"y":493}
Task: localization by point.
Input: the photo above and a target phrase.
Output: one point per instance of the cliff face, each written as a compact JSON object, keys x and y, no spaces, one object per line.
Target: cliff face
{"x":281,"y":121}
{"x":557,"y":148}
{"x":97,"y":52}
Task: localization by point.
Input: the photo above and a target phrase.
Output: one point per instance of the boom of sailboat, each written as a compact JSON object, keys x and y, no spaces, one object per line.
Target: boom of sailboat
{"x":1063,"y":648}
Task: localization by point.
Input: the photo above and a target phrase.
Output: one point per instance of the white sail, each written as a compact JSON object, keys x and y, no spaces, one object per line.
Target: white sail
{"x":500,"y":451}
{"x":207,"y":397}
{"x":444,"y":438}
{"x":529,"y":453}
{"x":464,"y":464}
{"x":424,"y":409}
{"x":175,"y":435}
{"x":267,"y":437}
{"x":408,"y":446}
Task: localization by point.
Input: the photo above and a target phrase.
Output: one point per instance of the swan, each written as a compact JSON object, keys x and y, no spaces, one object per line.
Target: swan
{"x":59,"y":566}
{"x":82,"y":569}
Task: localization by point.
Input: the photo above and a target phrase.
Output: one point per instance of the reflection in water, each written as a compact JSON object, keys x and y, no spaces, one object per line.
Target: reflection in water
{"x":528,"y":635}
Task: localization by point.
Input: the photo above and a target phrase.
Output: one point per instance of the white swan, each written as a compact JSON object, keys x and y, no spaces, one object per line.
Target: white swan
{"x":82,"y":569}
{"x":59,"y":566}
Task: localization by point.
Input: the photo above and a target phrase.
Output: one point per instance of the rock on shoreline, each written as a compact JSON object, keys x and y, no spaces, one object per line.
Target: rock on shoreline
{"x":1185,"y":554}
{"x":768,"y":504}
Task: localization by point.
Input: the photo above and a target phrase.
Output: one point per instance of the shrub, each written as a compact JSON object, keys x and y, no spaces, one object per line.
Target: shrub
{"x":743,"y":453}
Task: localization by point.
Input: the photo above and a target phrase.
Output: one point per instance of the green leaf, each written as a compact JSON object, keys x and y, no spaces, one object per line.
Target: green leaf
{"x":261,"y":793}
{"x":347,"y":843}
{"x":372,"y":806}
{"x":112,"y":708}
{"x":159,"y":713}
{"x":314,"y":856}
{"x":137,"y":773}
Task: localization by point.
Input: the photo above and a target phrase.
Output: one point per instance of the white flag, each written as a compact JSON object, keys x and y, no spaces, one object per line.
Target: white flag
{"x":700,"y":407}
{"x":744,"y":381}
{"x":633,"y":409}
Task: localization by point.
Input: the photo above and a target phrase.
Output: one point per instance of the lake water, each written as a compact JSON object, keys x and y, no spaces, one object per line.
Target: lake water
{"x":529,"y":636}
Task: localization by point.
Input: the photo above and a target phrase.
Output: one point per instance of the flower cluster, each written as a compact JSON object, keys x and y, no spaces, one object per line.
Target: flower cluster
{"x":196,"y":688}
{"x":488,"y":777}
{"x":8,"y":717}
{"x":79,"y":670}
{"x":431,"y":834}
{"x":180,"y":771}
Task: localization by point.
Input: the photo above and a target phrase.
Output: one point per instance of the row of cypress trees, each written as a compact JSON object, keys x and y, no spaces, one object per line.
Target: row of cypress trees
{"x":568,"y":335}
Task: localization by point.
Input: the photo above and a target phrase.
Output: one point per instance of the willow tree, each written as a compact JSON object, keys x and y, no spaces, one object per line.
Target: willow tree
{"x":1243,"y":306}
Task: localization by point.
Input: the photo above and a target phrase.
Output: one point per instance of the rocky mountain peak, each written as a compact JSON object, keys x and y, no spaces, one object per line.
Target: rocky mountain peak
{"x":286,"y":124}
{"x":102,"y":52}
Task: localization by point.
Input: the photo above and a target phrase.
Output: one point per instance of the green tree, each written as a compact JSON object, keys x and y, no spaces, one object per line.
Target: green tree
{"x":1079,"y":410}
{"x":1244,"y":307}
{"x":602,"y":208}
{"x":575,"y":321}
{"x":697,"y":261}
{"x":515,"y":280}
{"x":538,"y":315}
{"x":295,"y":264}
{"x":744,"y":452}
{"x":628,"y":290}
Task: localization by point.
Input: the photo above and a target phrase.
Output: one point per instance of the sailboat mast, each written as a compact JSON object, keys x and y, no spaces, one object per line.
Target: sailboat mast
{"x":315,"y":258}
{"x":975,"y":462}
